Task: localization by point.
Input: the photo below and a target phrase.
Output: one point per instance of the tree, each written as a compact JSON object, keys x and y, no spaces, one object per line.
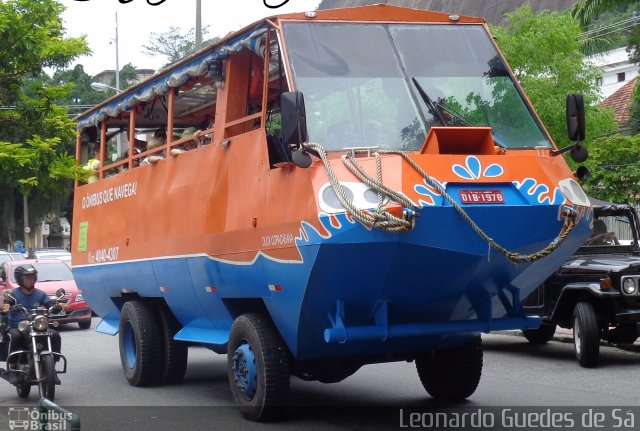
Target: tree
{"x":33,"y":162}
{"x":78,"y":86}
{"x":173,"y":44}
{"x":614,"y":169}
{"x":584,"y":11}
{"x":543,"y":51}
{"x":610,"y":29}
{"x":128,"y":76}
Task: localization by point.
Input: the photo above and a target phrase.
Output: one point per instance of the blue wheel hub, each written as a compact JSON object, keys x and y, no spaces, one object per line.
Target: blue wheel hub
{"x":130,"y":353}
{"x":245,"y":372}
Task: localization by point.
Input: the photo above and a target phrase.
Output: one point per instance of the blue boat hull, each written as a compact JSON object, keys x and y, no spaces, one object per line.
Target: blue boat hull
{"x":355,"y":292}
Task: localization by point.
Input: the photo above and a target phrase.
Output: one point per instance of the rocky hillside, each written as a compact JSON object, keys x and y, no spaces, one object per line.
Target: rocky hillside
{"x":491,"y":10}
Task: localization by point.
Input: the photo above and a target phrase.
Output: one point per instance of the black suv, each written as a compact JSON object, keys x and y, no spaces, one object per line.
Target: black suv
{"x":596,"y":291}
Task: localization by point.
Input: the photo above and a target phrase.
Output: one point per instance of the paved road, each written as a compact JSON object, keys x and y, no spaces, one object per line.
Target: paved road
{"x":515,"y":374}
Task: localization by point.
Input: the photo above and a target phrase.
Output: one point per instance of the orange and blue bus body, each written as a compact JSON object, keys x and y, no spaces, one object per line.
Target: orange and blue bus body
{"x":372,"y":181}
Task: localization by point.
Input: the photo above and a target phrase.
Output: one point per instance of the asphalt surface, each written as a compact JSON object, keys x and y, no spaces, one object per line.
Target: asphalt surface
{"x":516,"y":375}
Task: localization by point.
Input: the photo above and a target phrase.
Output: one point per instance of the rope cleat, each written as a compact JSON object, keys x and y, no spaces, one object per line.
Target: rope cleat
{"x":409,"y":215}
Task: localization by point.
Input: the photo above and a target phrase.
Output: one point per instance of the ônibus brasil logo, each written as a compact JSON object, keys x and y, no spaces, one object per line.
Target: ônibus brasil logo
{"x":34,"y":419}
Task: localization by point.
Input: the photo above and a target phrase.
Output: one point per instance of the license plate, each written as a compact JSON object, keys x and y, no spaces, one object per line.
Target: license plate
{"x":481,"y":197}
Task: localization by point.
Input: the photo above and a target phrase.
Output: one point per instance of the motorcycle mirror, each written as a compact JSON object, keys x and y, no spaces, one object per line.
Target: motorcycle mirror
{"x":9,"y":297}
{"x":60,"y":292}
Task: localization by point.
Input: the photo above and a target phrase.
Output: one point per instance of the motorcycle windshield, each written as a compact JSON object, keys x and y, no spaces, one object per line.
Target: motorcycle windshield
{"x":386,"y":85}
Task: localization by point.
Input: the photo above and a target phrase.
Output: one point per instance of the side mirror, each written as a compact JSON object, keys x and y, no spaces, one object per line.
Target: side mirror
{"x":9,"y":297}
{"x":60,"y":293}
{"x":575,"y":129}
{"x":579,"y":153}
{"x":575,"y":117}
{"x":582,"y":173}
{"x":294,"y":122}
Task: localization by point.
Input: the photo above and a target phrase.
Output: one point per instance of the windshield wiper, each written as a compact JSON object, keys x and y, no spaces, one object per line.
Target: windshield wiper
{"x":430,"y":105}
{"x":437,"y":108}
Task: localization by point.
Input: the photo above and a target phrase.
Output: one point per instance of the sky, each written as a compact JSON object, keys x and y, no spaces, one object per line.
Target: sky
{"x":137,"y":19}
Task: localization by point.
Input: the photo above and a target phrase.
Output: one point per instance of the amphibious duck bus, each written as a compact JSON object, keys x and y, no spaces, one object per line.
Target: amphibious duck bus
{"x":321,"y":191}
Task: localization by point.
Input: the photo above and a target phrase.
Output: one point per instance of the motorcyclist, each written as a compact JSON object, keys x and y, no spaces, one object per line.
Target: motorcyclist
{"x":29,"y":297}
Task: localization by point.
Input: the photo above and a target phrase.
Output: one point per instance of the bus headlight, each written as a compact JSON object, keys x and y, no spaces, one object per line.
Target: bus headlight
{"x":629,"y":286}
{"x":359,"y":195}
{"x":41,"y":323}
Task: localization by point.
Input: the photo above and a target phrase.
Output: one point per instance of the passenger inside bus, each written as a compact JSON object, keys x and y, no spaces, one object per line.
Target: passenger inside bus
{"x":191,"y":144}
{"x":93,"y":164}
{"x":256,"y":78}
{"x":135,"y":162}
{"x":158,"y":139}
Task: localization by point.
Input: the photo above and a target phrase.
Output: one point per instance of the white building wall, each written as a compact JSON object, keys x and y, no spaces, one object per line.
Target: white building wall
{"x":616,"y":70}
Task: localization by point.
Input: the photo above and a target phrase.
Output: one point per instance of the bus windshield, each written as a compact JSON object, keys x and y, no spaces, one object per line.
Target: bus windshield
{"x":386,"y":85}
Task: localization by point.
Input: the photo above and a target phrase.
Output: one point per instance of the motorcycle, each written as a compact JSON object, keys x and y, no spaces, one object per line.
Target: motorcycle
{"x":35,"y":364}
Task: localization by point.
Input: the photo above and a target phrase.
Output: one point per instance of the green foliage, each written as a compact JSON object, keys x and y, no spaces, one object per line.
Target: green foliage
{"x":128,"y":76}
{"x":544,"y":53}
{"x":634,"y":110}
{"x":77,"y":87}
{"x":36,"y":134}
{"x":633,"y":45}
{"x":614,"y":166}
{"x":175,"y":45}
{"x":585,"y":11}
{"x":31,"y":37}
{"x":609,"y":28}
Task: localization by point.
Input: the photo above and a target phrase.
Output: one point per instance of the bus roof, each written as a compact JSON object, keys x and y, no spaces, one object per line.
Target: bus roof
{"x":201,"y":62}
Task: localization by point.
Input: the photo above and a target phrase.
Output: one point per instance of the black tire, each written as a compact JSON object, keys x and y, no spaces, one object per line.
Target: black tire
{"x":84,"y":324}
{"x":140,"y":343}
{"x":23,"y":389}
{"x":173,"y":354}
{"x":542,"y":335}
{"x":586,"y":335}
{"x":47,"y":384}
{"x":258,"y":368}
{"x":451,"y":375}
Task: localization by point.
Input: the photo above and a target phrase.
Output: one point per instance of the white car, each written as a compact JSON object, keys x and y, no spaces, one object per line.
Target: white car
{"x":51,"y":253}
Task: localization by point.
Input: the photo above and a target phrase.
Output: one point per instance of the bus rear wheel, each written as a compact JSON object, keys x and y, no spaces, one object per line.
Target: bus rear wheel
{"x":139,"y":339}
{"x":258,"y":368}
{"x":174,"y":354}
{"x":452,"y":374}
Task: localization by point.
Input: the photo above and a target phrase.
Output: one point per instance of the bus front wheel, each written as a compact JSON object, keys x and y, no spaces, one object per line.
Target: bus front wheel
{"x":451,"y":374}
{"x":258,"y":368}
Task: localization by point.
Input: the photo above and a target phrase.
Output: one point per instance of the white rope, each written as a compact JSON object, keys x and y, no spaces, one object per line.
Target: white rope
{"x":382,"y":219}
